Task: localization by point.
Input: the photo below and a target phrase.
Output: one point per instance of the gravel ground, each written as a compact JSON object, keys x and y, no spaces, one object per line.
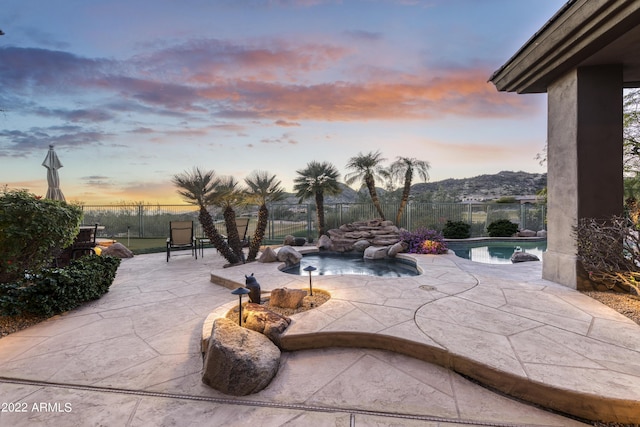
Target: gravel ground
{"x":628,"y":305}
{"x":11,"y":324}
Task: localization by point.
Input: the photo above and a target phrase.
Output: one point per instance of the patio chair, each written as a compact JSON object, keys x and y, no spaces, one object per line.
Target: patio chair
{"x":242,"y":225}
{"x":181,"y":237}
{"x":85,"y":241}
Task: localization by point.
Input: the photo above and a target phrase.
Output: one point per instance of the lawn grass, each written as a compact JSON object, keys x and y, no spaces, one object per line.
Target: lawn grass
{"x":144,"y":246}
{"x":152,"y":245}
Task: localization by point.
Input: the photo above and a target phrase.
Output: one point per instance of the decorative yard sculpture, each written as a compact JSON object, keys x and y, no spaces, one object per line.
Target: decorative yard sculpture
{"x":254,"y":288}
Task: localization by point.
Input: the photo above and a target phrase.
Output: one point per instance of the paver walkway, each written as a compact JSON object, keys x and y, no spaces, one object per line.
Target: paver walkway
{"x":133,"y":357}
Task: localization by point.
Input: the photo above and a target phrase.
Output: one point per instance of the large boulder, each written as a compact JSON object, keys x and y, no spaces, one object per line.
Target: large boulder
{"x":260,"y":319}
{"x":526,"y":233}
{"x":289,"y":240}
{"x":361,"y":245}
{"x":289,"y":256}
{"x":268,"y":255}
{"x":117,"y":250}
{"x":397,"y":248}
{"x":287,"y":298}
{"x":542,"y":233}
{"x":324,"y":242}
{"x":375,"y":252}
{"x":523,"y":257}
{"x":239,"y":361}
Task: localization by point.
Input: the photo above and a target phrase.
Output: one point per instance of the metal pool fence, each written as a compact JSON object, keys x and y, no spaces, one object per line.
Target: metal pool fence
{"x":152,"y":221}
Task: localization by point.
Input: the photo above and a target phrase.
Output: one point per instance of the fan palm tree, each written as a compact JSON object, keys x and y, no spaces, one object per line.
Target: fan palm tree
{"x":200,"y":188}
{"x":403,"y":170}
{"x":262,"y":188}
{"x":366,"y":169}
{"x":231,"y":196}
{"x":316,"y":180}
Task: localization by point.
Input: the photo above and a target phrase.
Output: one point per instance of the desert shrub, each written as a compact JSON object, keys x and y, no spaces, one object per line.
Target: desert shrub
{"x":55,"y":290}
{"x":424,"y":241}
{"x":609,"y":251}
{"x":31,"y":228}
{"x":502,"y":228}
{"x":457,"y":230}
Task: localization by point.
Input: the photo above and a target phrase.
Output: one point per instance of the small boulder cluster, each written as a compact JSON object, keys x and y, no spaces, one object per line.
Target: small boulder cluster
{"x":242,"y":360}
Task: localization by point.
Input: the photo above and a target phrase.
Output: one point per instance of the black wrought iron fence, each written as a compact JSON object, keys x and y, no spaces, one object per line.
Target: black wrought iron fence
{"x":152,"y":221}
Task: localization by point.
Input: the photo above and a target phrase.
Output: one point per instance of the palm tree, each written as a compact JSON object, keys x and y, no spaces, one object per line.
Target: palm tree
{"x":231,"y":196}
{"x":402,"y":170}
{"x":199,"y":188}
{"x":316,"y":180}
{"x":262,"y":189}
{"x":366,"y":168}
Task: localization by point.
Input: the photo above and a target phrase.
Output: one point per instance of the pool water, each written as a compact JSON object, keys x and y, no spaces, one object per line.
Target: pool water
{"x":496,"y":252}
{"x":328,"y":264}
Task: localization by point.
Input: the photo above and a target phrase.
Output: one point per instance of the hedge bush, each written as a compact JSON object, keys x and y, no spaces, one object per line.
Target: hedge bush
{"x":502,"y":228}
{"x":56,"y":290}
{"x":456,"y":230}
{"x":31,"y":229}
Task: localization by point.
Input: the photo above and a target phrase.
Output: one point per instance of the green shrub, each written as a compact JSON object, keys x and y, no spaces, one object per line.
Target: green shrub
{"x":456,"y":230}
{"x":55,"y":290}
{"x":502,"y":228}
{"x":31,"y":229}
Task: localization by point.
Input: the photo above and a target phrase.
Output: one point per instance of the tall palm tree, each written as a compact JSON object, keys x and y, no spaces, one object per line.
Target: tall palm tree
{"x":231,"y":196}
{"x":316,"y":180}
{"x":366,"y":169}
{"x":262,"y":188}
{"x":403,"y":170}
{"x":200,"y":188}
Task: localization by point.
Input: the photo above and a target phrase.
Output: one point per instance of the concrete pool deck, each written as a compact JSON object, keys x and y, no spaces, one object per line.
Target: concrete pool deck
{"x":133,"y":357}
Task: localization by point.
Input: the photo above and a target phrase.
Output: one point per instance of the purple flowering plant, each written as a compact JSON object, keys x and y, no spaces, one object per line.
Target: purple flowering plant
{"x":424,"y":241}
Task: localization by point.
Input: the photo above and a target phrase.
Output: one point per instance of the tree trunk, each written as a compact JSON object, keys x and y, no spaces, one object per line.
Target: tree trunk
{"x":371,"y":186}
{"x":232,"y":232}
{"x":320,"y":212}
{"x":216,"y":239}
{"x":258,"y":236}
{"x":405,"y":198}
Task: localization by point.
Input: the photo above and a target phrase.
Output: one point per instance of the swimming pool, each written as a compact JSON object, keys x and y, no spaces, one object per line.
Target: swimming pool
{"x":329,"y":264}
{"x":496,"y":252}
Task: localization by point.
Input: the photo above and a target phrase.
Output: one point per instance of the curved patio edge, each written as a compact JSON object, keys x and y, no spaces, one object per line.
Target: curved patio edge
{"x":504,"y":327}
{"x":571,"y":402}
{"x":586,"y":406}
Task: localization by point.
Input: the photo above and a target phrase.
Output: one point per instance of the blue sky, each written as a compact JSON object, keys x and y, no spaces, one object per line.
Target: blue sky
{"x":132,"y":92}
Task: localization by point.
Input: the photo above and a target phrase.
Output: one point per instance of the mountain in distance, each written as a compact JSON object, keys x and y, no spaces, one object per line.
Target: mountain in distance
{"x":482,"y":187}
{"x":478,"y":188}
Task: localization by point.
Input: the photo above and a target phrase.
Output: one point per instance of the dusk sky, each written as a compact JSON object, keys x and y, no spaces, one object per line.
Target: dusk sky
{"x":132,"y":92}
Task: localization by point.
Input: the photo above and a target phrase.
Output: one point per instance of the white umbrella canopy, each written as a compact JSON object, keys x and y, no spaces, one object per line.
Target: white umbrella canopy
{"x":52,"y":163}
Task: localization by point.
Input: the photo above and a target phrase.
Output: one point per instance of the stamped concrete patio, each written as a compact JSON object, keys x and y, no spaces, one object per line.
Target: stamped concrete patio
{"x":380,"y":352}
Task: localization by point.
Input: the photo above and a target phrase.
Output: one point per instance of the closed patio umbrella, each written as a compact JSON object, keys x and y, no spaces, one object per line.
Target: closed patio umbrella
{"x":52,"y":163}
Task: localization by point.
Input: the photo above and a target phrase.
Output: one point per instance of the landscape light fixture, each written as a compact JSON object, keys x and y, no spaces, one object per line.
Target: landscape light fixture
{"x":240,"y":292}
{"x":310,"y":268}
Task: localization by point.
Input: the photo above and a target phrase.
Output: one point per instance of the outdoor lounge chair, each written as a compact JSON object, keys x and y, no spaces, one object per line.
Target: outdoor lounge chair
{"x":83,"y":244}
{"x":85,"y":241}
{"x":242,"y":225}
{"x":181,"y":237}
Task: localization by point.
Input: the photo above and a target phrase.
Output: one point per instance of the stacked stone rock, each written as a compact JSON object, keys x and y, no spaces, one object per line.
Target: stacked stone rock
{"x":361,"y":234}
